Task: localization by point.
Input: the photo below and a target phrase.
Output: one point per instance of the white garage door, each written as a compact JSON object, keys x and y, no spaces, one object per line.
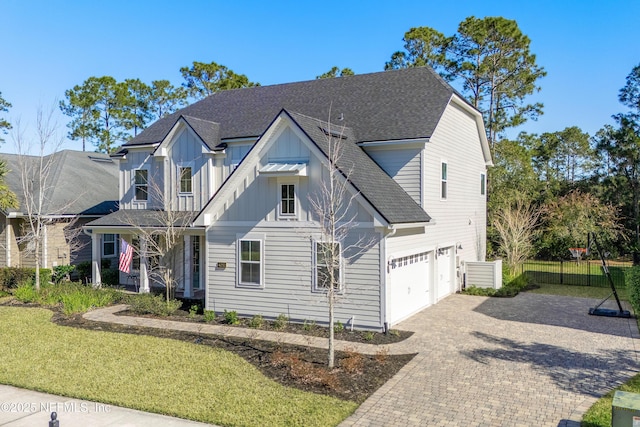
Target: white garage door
{"x":409,"y":285}
{"x":445,"y":284}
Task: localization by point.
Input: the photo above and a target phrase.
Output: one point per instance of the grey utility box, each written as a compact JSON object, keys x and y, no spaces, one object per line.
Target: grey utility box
{"x":625,"y":410}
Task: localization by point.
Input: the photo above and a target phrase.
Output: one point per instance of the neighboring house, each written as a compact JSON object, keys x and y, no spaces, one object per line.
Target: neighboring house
{"x":241,"y":165}
{"x":81,"y":187}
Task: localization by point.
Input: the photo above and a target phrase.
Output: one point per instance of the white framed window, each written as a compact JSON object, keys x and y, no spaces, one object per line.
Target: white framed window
{"x":186,"y":179}
{"x":109,"y":245}
{"x":250,"y":263}
{"x":327,"y":266}
{"x":443,"y":181}
{"x":288,"y":200}
{"x":141,"y":185}
{"x":483,"y":184}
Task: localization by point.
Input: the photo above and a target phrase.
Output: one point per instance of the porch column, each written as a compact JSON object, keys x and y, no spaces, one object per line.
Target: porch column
{"x":188,"y":264}
{"x":96,"y":280}
{"x":144,"y":276}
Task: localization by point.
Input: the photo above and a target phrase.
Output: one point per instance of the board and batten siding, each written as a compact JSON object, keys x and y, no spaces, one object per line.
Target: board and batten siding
{"x":186,"y":151}
{"x":140,"y":159}
{"x":288,"y":281}
{"x":401,"y":164}
{"x":257,"y":197}
{"x":460,"y":219}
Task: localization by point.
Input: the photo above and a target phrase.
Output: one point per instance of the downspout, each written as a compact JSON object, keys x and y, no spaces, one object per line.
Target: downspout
{"x":384,"y":261}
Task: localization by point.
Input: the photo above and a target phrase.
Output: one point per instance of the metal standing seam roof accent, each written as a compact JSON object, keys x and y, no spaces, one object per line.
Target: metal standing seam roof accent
{"x":299,"y":169}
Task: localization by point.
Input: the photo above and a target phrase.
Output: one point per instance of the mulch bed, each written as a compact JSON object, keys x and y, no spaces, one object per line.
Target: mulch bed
{"x":355,"y":377}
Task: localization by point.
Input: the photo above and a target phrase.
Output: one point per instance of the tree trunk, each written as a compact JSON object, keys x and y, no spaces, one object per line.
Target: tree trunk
{"x":331,"y":332}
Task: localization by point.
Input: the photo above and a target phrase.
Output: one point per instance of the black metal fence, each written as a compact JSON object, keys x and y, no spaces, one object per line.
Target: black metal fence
{"x":583,"y":273}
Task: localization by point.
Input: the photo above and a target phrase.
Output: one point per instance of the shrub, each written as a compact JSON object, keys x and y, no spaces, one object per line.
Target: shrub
{"x":193,"y":310}
{"x":280,"y":322}
{"x":632,"y":281}
{"x":61,"y":272}
{"x":209,"y":315}
{"x":153,"y":304}
{"x":256,"y":321}
{"x":110,"y":277}
{"x":83,"y":271}
{"x":484,"y":292}
{"x":84,"y":298}
{"x":309,"y":325}
{"x":74,"y":297}
{"x":26,"y":293}
{"x":12,"y":277}
{"x":368,"y":336}
{"x":338,"y":326}
{"x":231,"y":317}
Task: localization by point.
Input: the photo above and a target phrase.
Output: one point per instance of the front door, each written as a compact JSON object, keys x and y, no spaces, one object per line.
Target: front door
{"x":195,"y":262}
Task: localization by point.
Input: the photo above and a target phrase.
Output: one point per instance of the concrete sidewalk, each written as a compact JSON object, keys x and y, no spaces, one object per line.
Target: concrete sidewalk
{"x":26,"y":408}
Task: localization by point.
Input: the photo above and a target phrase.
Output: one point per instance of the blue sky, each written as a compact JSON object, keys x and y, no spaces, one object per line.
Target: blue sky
{"x":587,"y":47}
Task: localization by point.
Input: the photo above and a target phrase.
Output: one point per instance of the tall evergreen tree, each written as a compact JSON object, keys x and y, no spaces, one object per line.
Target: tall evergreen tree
{"x":4,"y":123}
{"x":489,"y":59}
{"x":202,"y":80}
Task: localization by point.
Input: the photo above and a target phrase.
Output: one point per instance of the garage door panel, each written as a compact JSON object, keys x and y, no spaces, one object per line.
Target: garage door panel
{"x":409,"y":285}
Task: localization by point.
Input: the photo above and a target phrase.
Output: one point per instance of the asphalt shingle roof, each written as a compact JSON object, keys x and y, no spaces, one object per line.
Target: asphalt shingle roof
{"x":389,"y":105}
{"x":384,"y":194}
{"x":79,"y":182}
{"x":145,"y":218}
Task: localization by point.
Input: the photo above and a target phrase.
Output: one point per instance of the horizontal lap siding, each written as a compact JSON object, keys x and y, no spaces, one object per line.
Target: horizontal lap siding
{"x":403,"y":166}
{"x":461,"y":218}
{"x":288,"y":279}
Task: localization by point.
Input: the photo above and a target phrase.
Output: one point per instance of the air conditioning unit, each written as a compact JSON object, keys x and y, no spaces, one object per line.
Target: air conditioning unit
{"x":625,"y":410}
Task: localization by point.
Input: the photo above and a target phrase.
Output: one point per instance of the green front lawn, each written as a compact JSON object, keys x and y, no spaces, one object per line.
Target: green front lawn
{"x":151,"y":374}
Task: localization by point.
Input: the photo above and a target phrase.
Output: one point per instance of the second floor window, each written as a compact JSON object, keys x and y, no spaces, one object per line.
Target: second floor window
{"x":185,"y":180}
{"x":483,"y":184}
{"x":443,"y":182}
{"x":141,"y":185}
{"x":287,"y":200}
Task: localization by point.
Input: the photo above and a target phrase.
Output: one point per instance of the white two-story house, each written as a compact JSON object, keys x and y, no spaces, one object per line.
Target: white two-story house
{"x":240,"y":168}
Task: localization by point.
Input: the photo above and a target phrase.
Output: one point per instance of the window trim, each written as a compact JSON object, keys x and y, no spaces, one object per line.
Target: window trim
{"x":296,"y":199}
{"x":483,"y":184}
{"x":136,"y":185}
{"x":114,"y":242}
{"x":180,"y":170}
{"x":315,"y":287}
{"x":444,"y":180}
{"x":239,"y":282}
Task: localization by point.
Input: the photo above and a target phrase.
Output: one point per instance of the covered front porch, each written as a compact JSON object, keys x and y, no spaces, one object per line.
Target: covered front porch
{"x":162,"y":254}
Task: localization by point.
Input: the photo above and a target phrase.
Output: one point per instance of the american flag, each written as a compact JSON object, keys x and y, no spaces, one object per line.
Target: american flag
{"x":126,"y":255}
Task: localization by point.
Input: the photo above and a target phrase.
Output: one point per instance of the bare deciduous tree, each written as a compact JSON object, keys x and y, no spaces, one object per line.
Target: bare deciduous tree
{"x":517,"y":226}
{"x":36,"y":167}
{"x":332,"y":207}
{"x":162,"y":229}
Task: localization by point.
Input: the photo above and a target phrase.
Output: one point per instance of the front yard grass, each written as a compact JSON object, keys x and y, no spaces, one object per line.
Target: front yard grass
{"x":152,"y":374}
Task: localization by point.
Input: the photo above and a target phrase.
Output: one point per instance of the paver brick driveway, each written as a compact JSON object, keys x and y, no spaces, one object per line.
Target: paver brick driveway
{"x":532,"y":360}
